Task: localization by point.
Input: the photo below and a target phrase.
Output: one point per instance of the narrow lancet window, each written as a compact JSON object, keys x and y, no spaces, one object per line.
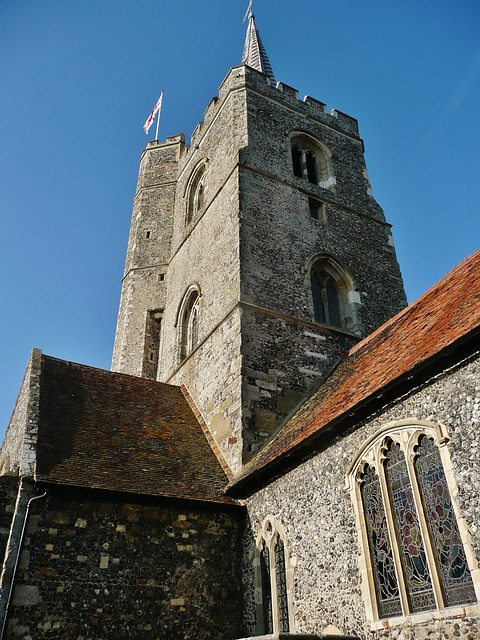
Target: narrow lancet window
{"x":449,"y":553}
{"x":386,"y":584}
{"x":266,"y":589}
{"x":281,"y":584}
{"x":409,"y":534}
{"x":273,"y":610}
{"x":325,"y":299}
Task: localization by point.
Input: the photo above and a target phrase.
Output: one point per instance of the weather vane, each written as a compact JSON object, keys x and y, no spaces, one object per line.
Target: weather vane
{"x":248,"y":9}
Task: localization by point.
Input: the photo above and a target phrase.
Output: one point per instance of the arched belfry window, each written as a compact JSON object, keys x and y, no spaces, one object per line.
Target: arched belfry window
{"x":414,"y":553}
{"x":334,"y":299}
{"x":187,"y":322}
{"x":311,"y":160}
{"x":325,"y":298}
{"x":195,"y":193}
{"x":274,"y":577}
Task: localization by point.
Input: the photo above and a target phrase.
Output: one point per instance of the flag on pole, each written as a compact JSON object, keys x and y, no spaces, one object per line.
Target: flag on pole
{"x":151,"y":117}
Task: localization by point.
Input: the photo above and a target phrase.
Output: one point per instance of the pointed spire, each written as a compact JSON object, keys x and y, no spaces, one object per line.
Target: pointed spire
{"x":254,"y":54}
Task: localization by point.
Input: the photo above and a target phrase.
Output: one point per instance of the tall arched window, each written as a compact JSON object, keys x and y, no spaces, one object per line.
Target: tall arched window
{"x":311,"y":160}
{"x":334,"y":300}
{"x":274,"y":575}
{"x":188,"y":323}
{"x":195,"y":193}
{"x":325,"y":298}
{"x":415,"y":558}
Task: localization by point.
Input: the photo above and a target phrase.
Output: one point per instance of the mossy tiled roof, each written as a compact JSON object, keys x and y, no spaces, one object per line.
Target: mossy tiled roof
{"x":112,"y":431}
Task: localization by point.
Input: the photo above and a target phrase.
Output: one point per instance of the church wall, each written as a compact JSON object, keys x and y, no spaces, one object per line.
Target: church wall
{"x":18,"y":451}
{"x":94,"y":566}
{"x":279,"y":236}
{"x":217,"y":393}
{"x":148,"y":253}
{"x":8,"y":497}
{"x":205,"y":253}
{"x":282,"y":362}
{"x":316,"y":511}
{"x":279,"y":241}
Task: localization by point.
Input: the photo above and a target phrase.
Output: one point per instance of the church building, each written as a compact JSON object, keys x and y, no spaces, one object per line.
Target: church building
{"x":282,"y":448}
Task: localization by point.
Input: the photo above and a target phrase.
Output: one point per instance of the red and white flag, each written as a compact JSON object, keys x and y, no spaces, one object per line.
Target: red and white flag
{"x":151,"y":117}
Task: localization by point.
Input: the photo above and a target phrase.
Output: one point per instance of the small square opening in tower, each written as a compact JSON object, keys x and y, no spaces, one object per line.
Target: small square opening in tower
{"x":317,"y":209}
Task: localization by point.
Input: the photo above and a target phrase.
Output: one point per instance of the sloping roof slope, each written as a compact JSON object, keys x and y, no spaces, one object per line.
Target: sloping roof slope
{"x":439,"y":319}
{"x":105,"y":430}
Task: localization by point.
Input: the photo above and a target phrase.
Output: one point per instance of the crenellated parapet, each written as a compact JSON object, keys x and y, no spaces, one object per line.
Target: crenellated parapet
{"x":243,"y":77}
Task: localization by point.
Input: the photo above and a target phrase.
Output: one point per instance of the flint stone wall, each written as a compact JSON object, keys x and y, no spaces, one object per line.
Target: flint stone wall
{"x":97,"y":567}
{"x":8,"y":497}
{"x":315,"y":509}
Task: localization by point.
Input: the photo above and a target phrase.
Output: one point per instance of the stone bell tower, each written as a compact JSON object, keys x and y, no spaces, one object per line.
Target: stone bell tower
{"x":257,"y":256}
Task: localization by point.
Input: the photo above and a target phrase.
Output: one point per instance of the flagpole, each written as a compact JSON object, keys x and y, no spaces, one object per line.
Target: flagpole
{"x":158,"y":119}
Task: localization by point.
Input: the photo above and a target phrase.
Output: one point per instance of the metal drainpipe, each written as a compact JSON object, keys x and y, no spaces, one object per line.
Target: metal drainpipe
{"x":17,"y":560}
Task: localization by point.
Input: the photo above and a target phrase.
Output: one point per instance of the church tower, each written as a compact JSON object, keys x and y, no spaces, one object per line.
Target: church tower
{"x":257,"y":256}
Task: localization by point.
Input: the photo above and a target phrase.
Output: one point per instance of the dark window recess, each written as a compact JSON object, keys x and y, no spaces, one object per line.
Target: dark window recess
{"x":147,"y":234}
{"x":194,"y":328}
{"x":325,"y":299}
{"x":200,"y":197}
{"x":297,"y":162}
{"x":317,"y":209}
{"x":266,"y":590}
{"x":152,"y":343}
{"x":161,"y":277}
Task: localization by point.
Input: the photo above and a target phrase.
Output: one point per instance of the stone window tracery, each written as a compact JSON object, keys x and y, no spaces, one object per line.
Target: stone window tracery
{"x":311,"y":160}
{"x":188,"y":322}
{"x":414,"y":557}
{"x":195,"y":193}
{"x":274,"y":578}
{"x":334,"y":300}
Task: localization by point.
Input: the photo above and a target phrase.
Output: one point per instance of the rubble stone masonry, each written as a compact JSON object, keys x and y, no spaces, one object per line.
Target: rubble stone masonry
{"x":94,"y":566}
{"x":316,"y":511}
{"x":248,"y":250}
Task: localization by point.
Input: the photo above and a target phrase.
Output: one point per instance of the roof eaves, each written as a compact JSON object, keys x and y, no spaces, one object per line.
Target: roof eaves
{"x":221,"y":501}
{"x":241,"y":485}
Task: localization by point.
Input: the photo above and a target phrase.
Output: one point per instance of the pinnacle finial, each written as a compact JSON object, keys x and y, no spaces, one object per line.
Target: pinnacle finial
{"x":254,"y":54}
{"x":249,"y":11}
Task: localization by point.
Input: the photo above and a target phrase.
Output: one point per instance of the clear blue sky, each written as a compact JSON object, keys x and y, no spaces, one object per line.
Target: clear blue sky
{"x":79,"y":79}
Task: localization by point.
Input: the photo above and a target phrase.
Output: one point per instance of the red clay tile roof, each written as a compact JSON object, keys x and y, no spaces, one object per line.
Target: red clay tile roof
{"x":112,"y":431}
{"x":443,"y":316}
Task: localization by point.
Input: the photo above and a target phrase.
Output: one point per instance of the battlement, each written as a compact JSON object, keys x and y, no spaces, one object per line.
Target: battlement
{"x":243,"y":77}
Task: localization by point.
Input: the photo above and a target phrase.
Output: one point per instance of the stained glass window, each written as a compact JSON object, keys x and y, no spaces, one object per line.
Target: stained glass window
{"x":388,"y":594}
{"x":449,"y":552}
{"x":417,"y":575}
{"x":280,"y":578}
{"x":418,"y":558}
{"x":273,"y":611}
